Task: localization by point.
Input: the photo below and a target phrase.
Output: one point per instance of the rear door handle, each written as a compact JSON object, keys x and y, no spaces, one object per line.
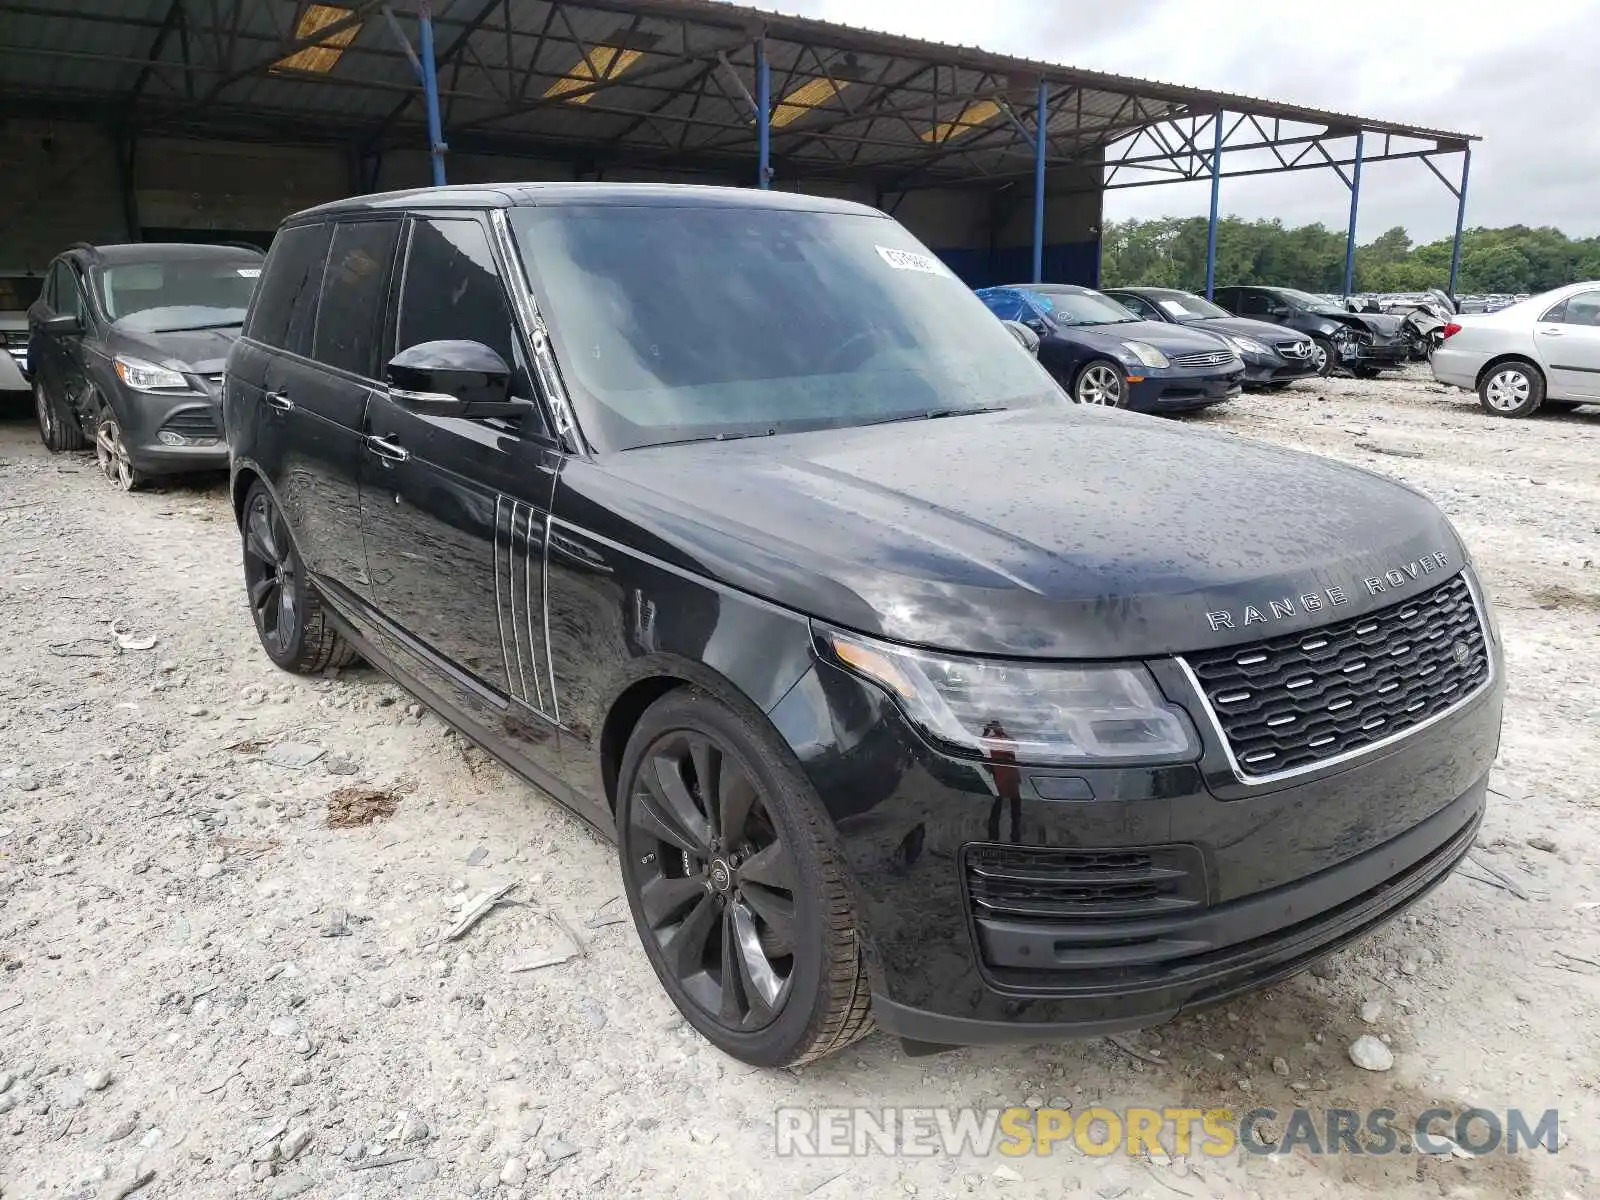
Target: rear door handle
{"x":279,"y":401}
{"x":389,"y":451}
{"x":1550,"y":332}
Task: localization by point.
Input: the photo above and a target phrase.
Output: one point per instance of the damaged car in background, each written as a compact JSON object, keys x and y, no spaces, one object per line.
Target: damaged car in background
{"x":126,"y":346}
{"x":1362,"y":343}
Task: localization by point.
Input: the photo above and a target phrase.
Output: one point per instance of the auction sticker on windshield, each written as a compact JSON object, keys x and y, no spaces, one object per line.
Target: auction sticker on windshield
{"x":906,"y":260}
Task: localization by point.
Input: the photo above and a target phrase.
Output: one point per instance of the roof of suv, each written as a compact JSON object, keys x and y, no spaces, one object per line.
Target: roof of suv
{"x":158,"y":252}
{"x":513,"y":195}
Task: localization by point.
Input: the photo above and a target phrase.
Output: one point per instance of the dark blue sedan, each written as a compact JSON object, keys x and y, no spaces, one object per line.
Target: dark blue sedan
{"x":1103,"y":354}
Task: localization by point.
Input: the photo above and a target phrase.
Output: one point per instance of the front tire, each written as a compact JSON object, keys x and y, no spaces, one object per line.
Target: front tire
{"x":288,"y":612}
{"x":111,"y":452}
{"x":1324,"y":356}
{"x":1511,"y":389}
{"x":58,"y":427}
{"x":1102,"y":383}
{"x":737,"y":892}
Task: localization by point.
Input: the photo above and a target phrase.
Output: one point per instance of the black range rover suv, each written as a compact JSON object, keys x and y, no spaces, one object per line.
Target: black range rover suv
{"x":910,"y":691}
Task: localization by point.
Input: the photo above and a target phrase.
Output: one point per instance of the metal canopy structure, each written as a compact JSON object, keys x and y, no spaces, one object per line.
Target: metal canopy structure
{"x":675,"y":85}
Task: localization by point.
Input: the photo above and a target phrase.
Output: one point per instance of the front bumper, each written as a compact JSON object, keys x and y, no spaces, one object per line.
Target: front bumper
{"x":196,"y":417}
{"x":1275,"y":369}
{"x":1273,"y":875}
{"x":1375,"y":354}
{"x":1173,"y":390}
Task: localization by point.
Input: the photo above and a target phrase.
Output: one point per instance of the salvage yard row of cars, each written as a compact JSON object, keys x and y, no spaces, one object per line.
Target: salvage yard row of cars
{"x":909,"y":693}
{"x":127,"y":347}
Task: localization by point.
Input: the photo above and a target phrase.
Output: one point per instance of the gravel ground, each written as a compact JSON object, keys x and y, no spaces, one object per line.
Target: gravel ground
{"x":218,"y":966}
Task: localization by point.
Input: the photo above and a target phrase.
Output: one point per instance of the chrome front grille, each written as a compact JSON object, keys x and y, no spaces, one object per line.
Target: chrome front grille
{"x":1294,"y":702}
{"x":1208,"y":358}
{"x":1295,"y":348}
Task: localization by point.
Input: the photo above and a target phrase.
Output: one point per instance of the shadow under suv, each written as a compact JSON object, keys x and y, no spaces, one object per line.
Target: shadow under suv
{"x":126,"y":346}
{"x":911,"y":691}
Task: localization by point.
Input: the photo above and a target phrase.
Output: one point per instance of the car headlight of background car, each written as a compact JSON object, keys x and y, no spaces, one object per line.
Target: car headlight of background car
{"x":144,"y":376}
{"x":1246,"y":345}
{"x":1146,"y":354}
{"x":1039,"y":714}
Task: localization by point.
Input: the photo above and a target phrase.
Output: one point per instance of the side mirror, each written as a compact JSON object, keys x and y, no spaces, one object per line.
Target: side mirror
{"x":1026,"y":337}
{"x":62,"y":324}
{"x":453,"y":379}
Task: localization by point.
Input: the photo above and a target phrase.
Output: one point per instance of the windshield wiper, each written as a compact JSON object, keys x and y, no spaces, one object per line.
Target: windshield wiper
{"x":929,"y":414}
{"x":197,"y":328}
{"x":710,"y":437}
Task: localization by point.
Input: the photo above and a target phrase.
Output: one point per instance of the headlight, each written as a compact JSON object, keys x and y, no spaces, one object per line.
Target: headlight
{"x":1042,"y":715}
{"x":1147,"y":354}
{"x":144,"y":376}
{"x":1246,"y":345}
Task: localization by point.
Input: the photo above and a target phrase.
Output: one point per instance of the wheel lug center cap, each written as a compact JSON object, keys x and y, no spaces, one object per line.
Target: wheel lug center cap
{"x":721,"y":876}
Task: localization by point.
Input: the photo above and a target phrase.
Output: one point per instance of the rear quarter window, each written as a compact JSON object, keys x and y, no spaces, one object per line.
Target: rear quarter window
{"x":284,"y":310}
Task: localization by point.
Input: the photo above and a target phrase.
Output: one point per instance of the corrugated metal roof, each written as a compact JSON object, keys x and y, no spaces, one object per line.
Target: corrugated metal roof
{"x":645,"y":82}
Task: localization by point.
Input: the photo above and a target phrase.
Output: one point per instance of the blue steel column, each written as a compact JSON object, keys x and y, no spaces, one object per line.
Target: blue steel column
{"x":1355,"y":201}
{"x":1039,"y":148}
{"x":430,"y":92}
{"x":1461,"y":216}
{"x":1216,"y":199}
{"x":764,"y":117}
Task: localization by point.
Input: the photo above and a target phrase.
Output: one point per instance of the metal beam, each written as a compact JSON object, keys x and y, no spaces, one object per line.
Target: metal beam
{"x":764,"y":114}
{"x":1355,"y":204}
{"x":157,"y":45}
{"x":1216,"y":199}
{"x":1461,"y":216}
{"x":1041,"y":135}
{"x":430,"y":90}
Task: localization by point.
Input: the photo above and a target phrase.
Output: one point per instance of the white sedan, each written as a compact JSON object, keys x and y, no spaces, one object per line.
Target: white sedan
{"x":1540,"y":352}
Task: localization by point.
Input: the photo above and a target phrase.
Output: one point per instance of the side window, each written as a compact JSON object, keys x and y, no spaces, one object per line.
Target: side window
{"x":1139,"y":306}
{"x":48,"y":292}
{"x":354,"y":290}
{"x":1253,"y":303}
{"x":1582,"y":309}
{"x":68,"y":295}
{"x":452,"y":289}
{"x":285,"y":302}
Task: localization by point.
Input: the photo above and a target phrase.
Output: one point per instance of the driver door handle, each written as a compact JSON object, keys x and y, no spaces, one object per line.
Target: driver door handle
{"x":280,"y":401}
{"x":389,"y":451}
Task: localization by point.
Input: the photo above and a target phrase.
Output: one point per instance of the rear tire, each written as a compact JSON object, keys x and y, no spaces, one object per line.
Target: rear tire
{"x":1511,"y":389}
{"x":737,"y":890}
{"x":288,"y":612}
{"x":58,"y":426}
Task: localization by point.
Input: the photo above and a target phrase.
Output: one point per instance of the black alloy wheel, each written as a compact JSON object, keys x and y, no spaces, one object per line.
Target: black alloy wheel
{"x":737,"y":897}
{"x":290,"y":620}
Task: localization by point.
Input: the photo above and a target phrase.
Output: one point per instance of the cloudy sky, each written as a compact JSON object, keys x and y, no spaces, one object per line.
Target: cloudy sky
{"x":1522,"y":76}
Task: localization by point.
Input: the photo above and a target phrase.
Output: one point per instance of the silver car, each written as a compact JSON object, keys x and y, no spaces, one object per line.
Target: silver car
{"x":1543,"y":352}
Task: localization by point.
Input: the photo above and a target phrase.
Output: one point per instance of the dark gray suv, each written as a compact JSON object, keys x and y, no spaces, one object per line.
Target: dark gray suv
{"x":126,"y":346}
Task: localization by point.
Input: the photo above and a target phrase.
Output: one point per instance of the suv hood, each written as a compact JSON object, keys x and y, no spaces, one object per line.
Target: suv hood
{"x":1030,"y":533}
{"x":192,"y":351}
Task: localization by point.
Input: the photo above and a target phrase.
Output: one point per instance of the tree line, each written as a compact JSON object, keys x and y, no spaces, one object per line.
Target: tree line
{"x":1171,"y":252}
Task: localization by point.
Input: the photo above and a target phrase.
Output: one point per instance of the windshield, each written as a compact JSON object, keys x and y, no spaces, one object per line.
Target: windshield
{"x":1306,"y":300}
{"x":1083,"y":308}
{"x":676,"y":324}
{"x":188,"y":294}
{"x":1183,"y":308}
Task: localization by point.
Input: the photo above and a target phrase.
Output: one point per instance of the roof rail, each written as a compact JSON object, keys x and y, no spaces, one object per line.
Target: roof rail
{"x":89,"y":248}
